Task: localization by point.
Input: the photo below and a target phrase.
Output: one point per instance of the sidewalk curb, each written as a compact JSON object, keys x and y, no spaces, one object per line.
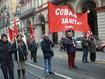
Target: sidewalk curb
{"x":100,"y":61}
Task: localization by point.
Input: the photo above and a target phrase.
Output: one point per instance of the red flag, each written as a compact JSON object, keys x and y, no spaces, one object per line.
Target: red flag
{"x":15,"y":29}
{"x":10,"y":34}
{"x":62,"y":18}
{"x":83,"y":27}
{"x":31,"y":31}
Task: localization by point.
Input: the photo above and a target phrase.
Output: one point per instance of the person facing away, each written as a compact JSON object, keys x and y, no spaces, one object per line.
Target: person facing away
{"x":19,"y":47}
{"x":46,"y":46}
{"x":6,"y":60}
{"x":85,"y":46}
{"x":32,"y":47}
{"x":70,"y":46}
{"x":92,"y":48}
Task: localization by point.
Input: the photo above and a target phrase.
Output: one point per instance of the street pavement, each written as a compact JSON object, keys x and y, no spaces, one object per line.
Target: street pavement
{"x":60,"y":68}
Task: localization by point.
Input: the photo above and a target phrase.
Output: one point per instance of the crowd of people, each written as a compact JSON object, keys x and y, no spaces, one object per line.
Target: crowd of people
{"x":20,"y":50}
{"x":88,"y":43}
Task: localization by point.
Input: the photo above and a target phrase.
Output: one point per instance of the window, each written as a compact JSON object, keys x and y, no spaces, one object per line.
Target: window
{"x":27,"y":6}
{"x":20,"y":24}
{"x":33,"y":3}
{"x":23,"y":8}
{"x":103,"y":2}
{"x":33,"y":19}
{"x":36,"y":5}
{"x":44,"y":1}
{"x":40,"y":2}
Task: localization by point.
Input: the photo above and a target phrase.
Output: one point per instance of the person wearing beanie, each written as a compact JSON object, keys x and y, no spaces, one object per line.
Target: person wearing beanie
{"x":6,"y":60}
{"x":20,"y":50}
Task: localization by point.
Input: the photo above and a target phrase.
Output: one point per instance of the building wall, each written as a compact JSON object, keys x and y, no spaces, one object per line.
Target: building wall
{"x":76,"y":4}
{"x":101,"y":21}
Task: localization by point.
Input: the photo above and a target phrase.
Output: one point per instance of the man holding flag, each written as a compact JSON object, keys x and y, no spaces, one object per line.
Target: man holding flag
{"x":21,"y":56}
{"x":20,"y":50}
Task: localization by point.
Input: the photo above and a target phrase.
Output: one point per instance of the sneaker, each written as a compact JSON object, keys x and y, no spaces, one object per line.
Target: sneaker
{"x":70,"y":67}
{"x":87,"y":61}
{"x":45,"y":74}
{"x":51,"y":72}
{"x":74,"y":66}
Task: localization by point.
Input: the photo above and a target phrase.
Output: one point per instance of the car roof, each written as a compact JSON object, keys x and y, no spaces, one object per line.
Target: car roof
{"x":78,"y":36}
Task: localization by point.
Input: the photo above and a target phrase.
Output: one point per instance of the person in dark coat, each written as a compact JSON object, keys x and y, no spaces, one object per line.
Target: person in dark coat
{"x":85,"y":47}
{"x":92,"y":48}
{"x":62,"y":47}
{"x":46,"y":46}
{"x":20,"y":49}
{"x":32,"y":47}
{"x":70,"y":46}
{"x":6,"y":60}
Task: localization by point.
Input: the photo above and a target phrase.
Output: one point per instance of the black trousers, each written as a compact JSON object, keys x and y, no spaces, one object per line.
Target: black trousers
{"x":33,"y":56}
{"x":8,"y":70}
{"x":92,"y":57}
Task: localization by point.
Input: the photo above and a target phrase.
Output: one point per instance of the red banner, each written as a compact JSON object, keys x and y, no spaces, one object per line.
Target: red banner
{"x":62,"y":18}
{"x":10,"y":34}
{"x":15,"y":29}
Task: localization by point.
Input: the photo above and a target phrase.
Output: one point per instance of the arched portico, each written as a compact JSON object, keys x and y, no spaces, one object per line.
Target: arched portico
{"x":89,"y":5}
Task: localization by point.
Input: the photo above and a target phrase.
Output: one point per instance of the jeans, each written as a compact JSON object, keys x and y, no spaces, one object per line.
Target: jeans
{"x":85,"y":54}
{"x":47,"y":65}
{"x":7,"y":69}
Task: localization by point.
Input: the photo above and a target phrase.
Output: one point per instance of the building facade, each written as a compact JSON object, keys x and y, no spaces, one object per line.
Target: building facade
{"x":35,"y":12}
{"x":4,"y":16}
{"x":7,"y":12}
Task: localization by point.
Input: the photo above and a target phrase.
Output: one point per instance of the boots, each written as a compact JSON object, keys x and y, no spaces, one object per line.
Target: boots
{"x":19,"y":73}
{"x":23,"y":73}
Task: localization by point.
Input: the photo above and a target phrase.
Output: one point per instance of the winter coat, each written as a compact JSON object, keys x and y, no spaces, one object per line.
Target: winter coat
{"x":92,"y":45}
{"x":32,"y":46}
{"x":22,"y":51}
{"x":69,"y":45}
{"x":84,"y":42}
{"x":5,"y":52}
{"x":46,"y":46}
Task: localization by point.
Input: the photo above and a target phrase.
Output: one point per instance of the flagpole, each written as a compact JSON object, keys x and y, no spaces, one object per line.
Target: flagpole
{"x":15,"y":34}
{"x":17,"y":50}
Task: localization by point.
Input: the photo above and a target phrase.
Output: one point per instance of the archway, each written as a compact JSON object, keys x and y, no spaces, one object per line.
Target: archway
{"x":92,"y":15}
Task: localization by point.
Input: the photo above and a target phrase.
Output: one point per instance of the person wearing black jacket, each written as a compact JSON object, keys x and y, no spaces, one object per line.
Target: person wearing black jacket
{"x":85,"y":46}
{"x":92,"y":48}
{"x":32,"y":47}
{"x":20,"y":50}
{"x":46,"y":46}
{"x":6,"y":60}
{"x":70,"y":46}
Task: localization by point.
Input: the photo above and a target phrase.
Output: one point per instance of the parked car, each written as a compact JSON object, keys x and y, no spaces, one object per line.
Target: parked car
{"x":100,"y":44}
{"x":78,"y":41}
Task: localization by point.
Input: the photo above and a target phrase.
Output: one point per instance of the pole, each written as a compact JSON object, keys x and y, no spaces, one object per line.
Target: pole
{"x":17,"y":50}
